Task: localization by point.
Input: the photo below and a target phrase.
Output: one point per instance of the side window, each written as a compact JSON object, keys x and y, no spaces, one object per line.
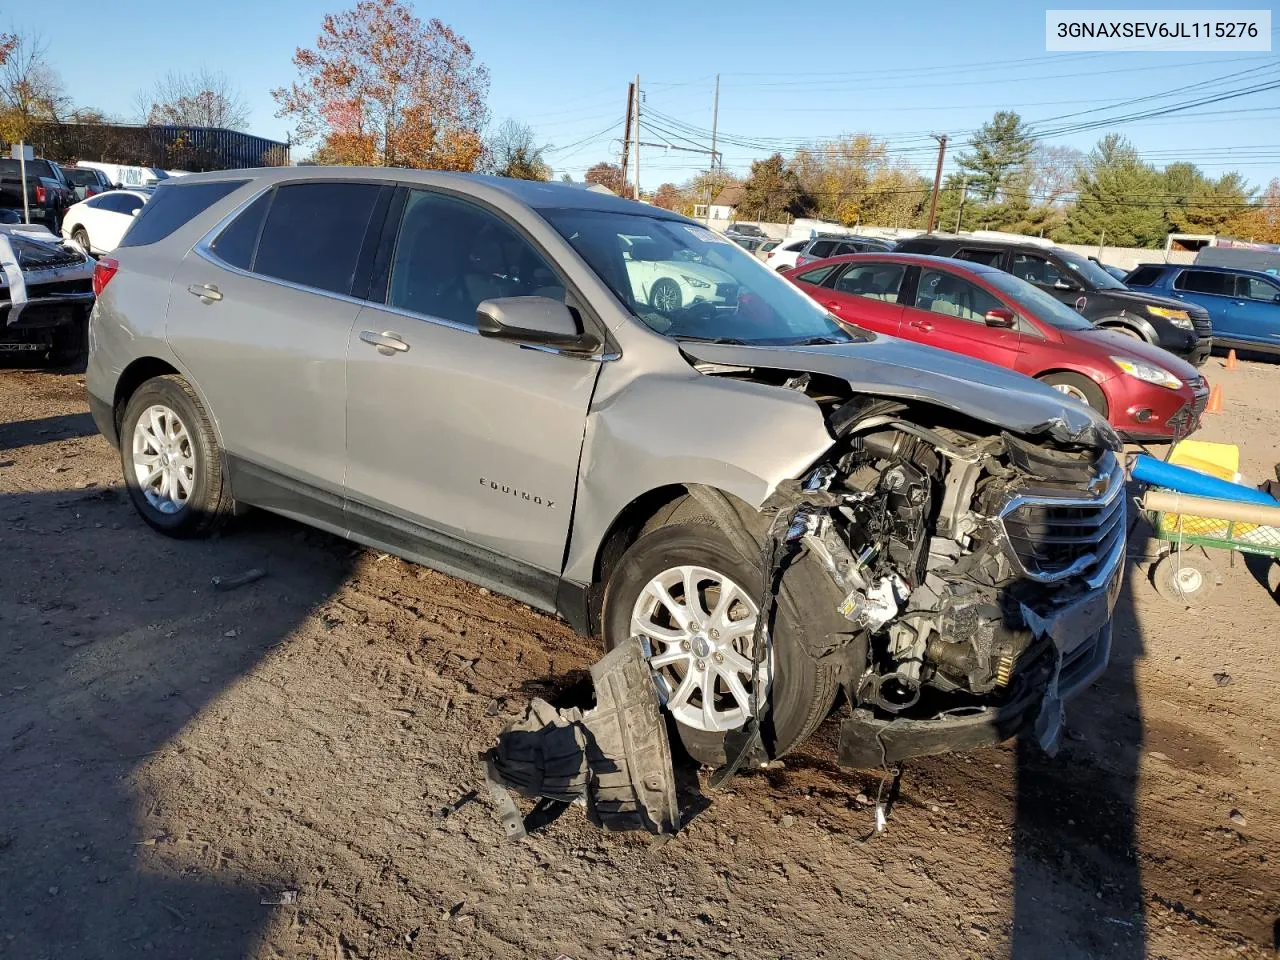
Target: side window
{"x":795,"y":247}
{"x":314,"y":233}
{"x":1204,"y":281}
{"x":977,"y":255}
{"x":132,"y":203}
{"x":816,"y":276}
{"x":239,"y":239}
{"x":1143,"y":277}
{"x":875,"y":281}
{"x":1037,"y":270}
{"x":822,"y":248}
{"x":99,"y":202}
{"x":172,"y":207}
{"x":451,"y":255}
{"x":918,"y":246}
{"x":953,"y":296}
{"x":1256,"y":289}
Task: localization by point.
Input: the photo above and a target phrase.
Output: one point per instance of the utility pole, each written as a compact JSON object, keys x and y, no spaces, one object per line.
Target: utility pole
{"x":715,"y":117}
{"x":964,"y":192}
{"x":937,"y":181}
{"x":637,"y":140}
{"x":626,"y":130}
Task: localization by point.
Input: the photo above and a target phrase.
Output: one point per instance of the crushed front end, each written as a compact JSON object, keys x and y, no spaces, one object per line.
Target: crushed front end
{"x":978,"y":571}
{"x":46,"y":292}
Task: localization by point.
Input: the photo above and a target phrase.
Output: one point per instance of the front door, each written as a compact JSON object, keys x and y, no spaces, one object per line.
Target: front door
{"x":261,"y":317}
{"x":469,"y":444}
{"x":950,"y":312}
{"x":865,"y":294}
{"x":1255,"y":310}
{"x":1214,"y":291}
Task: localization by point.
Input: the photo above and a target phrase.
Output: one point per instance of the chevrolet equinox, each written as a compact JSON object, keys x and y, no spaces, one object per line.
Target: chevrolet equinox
{"x":495,"y":378}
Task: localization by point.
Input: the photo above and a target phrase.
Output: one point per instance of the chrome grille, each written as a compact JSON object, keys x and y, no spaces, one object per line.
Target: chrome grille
{"x":1053,"y":538}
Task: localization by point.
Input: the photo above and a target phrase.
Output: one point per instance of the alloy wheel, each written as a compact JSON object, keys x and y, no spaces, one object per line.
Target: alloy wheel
{"x":164,"y":462}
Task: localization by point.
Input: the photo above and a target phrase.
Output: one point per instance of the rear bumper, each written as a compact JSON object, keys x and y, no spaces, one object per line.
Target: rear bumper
{"x":867,"y":742}
{"x":103,"y":418}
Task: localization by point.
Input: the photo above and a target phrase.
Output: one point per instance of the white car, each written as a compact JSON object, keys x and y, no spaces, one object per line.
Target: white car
{"x":98,"y":223}
{"x":668,"y":284}
{"x":783,"y":256}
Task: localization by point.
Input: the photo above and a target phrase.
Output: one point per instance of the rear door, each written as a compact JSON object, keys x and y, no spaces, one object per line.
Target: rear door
{"x":949,"y":311}
{"x":468,"y":444}
{"x":1214,"y":291}
{"x":865,"y":294}
{"x":261,"y":314}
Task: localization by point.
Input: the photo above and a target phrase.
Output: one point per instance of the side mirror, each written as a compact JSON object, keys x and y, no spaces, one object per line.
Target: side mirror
{"x":1061,"y":284}
{"x":1000,"y":318}
{"x":534,"y":322}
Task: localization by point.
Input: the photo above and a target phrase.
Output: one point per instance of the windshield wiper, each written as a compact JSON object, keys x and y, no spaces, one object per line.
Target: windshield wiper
{"x":817,"y":341}
{"x":727,"y":340}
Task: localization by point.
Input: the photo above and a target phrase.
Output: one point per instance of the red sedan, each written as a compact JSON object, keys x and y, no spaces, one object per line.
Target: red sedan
{"x":1145,"y":392}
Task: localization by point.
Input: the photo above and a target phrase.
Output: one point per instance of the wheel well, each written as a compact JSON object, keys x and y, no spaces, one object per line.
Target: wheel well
{"x":1134,"y":325}
{"x":134,"y":376}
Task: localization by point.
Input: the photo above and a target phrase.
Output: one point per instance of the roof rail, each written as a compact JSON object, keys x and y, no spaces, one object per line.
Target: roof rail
{"x":1011,"y":238}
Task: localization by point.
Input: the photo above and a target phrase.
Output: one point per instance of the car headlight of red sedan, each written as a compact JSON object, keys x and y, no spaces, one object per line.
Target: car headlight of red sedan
{"x":1147,"y":372}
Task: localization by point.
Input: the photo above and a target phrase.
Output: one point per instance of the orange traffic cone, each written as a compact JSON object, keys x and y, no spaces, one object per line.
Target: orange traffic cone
{"x":1215,"y":400}
{"x":1231,"y":360}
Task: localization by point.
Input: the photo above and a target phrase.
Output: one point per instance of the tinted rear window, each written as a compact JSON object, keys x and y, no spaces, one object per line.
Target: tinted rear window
{"x":1204,"y":281}
{"x":918,"y":246}
{"x":1143,"y":277}
{"x":35,"y":168}
{"x":172,"y":207}
{"x":822,"y":248}
{"x":82,"y":178}
{"x":237,"y":243}
{"x":314,"y":233}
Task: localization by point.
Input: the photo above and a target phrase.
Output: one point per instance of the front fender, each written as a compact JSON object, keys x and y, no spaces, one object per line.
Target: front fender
{"x":1131,"y":321}
{"x":671,"y":429}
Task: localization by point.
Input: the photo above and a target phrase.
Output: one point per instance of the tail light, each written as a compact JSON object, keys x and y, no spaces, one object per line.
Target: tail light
{"x":769,"y":255}
{"x":40,"y":195}
{"x":801,"y":260}
{"x":103,"y":271}
{"x":91,"y":192}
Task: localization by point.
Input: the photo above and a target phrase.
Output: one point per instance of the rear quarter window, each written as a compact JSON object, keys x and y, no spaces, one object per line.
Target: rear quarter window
{"x":1143,"y":277}
{"x":918,"y":246}
{"x":173,"y":206}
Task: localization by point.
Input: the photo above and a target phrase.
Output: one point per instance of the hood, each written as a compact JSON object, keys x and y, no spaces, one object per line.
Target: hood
{"x":888,"y":367}
{"x":1137,"y":298}
{"x":1117,"y":344}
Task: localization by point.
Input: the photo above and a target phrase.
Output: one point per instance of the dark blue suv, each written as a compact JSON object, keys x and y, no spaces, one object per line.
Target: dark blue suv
{"x":1244,"y":305}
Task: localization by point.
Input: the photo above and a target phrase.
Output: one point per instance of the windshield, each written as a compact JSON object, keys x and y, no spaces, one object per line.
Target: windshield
{"x":686,"y":282}
{"x":1034,"y":301}
{"x":1093,"y":274}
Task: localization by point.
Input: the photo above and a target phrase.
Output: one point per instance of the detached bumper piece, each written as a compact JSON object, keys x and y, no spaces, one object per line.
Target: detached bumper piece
{"x":615,"y":758}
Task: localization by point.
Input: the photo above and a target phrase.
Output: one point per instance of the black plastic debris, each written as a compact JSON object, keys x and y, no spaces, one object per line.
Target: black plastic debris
{"x":614,"y":758}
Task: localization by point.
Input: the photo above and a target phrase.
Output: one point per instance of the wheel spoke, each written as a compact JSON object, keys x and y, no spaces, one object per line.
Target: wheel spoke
{"x":680,"y":696}
{"x":157,"y":424}
{"x":738,"y":628}
{"x":668,"y":657}
{"x":678,"y":612}
{"x":182,"y":483}
{"x":738,"y":691}
{"x":736,"y":663}
{"x":728,"y":594}
{"x":652,"y":630}
{"x":146,"y":481}
{"x":693,"y":599}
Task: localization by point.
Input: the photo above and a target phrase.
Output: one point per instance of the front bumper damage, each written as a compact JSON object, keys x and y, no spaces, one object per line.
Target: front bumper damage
{"x":45,"y":286}
{"x":1075,"y":647}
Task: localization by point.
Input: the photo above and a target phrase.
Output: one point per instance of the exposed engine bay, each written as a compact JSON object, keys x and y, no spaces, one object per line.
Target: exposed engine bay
{"x":977,"y":567}
{"x":953,"y":550}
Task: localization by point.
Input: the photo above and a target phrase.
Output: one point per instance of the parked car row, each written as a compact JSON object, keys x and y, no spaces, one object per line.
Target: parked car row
{"x":1243,"y":305}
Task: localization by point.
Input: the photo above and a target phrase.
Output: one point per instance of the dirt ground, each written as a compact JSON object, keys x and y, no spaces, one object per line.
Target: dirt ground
{"x":172,"y":757}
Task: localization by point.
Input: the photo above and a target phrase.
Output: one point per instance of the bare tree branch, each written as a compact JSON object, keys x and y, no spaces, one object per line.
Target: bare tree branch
{"x":201,"y":99}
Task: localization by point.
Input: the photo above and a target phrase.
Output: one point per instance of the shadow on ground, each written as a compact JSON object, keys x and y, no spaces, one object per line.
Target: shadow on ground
{"x":1077,"y":882}
{"x":25,"y":433}
{"x":90,"y":692}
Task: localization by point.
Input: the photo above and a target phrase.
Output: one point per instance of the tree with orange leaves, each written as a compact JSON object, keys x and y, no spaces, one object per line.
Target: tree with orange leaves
{"x":384,"y":88}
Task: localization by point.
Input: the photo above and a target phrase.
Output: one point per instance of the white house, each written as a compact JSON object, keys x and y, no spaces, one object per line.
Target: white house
{"x":723,"y":209}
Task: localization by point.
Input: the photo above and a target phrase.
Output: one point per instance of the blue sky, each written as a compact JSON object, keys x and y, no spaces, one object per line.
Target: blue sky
{"x":789,"y":73}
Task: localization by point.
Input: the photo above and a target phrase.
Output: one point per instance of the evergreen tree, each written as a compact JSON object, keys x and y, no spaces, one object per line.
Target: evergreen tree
{"x":772,"y":190}
{"x":1119,"y":198}
{"x":998,"y":157}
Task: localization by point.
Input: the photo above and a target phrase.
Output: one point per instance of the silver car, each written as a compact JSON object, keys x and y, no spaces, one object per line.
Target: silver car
{"x":467,"y":372}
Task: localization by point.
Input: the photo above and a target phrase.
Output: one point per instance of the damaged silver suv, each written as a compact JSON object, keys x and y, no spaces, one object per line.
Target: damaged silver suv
{"x":611,"y":413}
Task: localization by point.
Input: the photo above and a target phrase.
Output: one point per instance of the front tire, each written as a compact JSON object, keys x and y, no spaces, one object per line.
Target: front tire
{"x":1079,"y":388}
{"x":665,"y":296}
{"x":173,"y":463}
{"x":701,"y":651}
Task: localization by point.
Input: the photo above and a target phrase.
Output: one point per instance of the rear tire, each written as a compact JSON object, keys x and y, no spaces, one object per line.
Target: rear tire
{"x":81,"y":236}
{"x":802,"y":690}
{"x":1079,"y":388}
{"x":198,"y":501}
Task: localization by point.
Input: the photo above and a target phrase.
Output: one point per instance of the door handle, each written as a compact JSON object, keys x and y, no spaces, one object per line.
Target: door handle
{"x":924,"y":325}
{"x":833,"y":305}
{"x":207,"y":292}
{"x":387,"y":343}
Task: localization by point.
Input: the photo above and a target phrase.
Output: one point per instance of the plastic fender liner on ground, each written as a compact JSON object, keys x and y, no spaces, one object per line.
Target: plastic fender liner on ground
{"x":614,"y":757}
